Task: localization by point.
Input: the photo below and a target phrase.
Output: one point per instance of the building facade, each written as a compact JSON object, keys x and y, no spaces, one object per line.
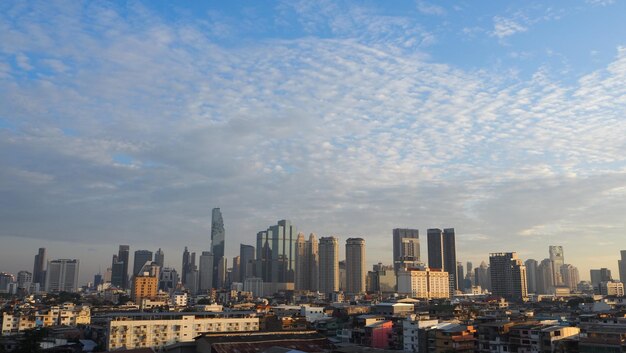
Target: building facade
{"x":329,"y":265}
{"x":62,"y":275}
{"x":406,"y":248}
{"x":355,"y":266}
{"x":508,"y":276}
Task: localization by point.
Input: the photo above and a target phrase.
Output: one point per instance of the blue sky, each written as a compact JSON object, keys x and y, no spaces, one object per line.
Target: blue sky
{"x":126,"y":122}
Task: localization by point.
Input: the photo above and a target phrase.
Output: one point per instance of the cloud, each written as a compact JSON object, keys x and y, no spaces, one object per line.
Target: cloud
{"x":430,"y":9}
{"x":133,"y":134}
{"x":505,"y":27}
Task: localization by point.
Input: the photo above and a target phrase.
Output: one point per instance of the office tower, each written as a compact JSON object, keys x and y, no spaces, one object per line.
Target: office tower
{"x":222,"y":266}
{"x":483,"y":276}
{"x":328,"y":265}
{"x":246,"y":254}
{"x":39,"y":271}
{"x":621,"y":264}
{"x":98,"y":279}
{"x":342,"y":275}
{"x":193,"y":281}
{"x":218,"y":237}
{"x":168,"y":279}
{"x":206,"y":272}
{"x":570,"y":276}
{"x":108,"y":274}
{"x":531,"y":275}
{"x":558,"y":260}
{"x":62,"y":276}
{"x":236,"y":272}
{"x":119,"y":267}
{"x":275,"y":253}
{"x":461,"y":274}
{"x":508,"y":276}
{"x":141,"y":257}
{"x":599,"y":276}
{"x":159,"y":258}
{"x":186,"y":266}
{"x":545,"y":279}
{"x":442,"y":253}
{"x":306,"y":262}
{"x":5,"y":280}
{"x":406,"y":248}
{"x":24,"y":279}
{"x":469,"y":276}
{"x":355,"y":266}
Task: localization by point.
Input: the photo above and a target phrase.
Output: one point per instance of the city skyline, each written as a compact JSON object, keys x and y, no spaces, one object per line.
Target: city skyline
{"x":503,"y":120}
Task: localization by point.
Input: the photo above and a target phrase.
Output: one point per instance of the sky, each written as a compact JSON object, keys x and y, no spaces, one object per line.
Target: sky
{"x":127,"y":122}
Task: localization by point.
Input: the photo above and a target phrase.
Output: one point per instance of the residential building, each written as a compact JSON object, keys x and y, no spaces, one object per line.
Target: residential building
{"x":424,"y":284}
{"x":558,"y":260}
{"x":621,"y":264}
{"x":570,"y":276}
{"x":355,"y":266}
{"x":328,"y":265}
{"x":508,"y":276}
{"x":482,"y":276}
{"x":157,"y":330}
{"x":62,"y":275}
{"x":545,"y":279}
{"x":612,"y":288}
{"x":531,"y":275}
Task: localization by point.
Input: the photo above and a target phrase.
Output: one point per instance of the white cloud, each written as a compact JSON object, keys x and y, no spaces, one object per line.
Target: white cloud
{"x":505,"y":27}
{"x":430,"y":9}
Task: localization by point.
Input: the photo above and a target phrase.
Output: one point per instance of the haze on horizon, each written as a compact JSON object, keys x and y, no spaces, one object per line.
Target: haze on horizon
{"x":127,"y":122}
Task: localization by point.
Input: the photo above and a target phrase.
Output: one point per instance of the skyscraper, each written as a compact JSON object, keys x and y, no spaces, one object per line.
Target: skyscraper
{"x":482,"y":276}
{"x":406,"y":248}
{"x":186,"y":266}
{"x":159,"y":258}
{"x":621,"y":264}
{"x":62,"y":276}
{"x":39,"y":271}
{"x":558,"y":260}
{"x":276,"y":253}
{"x":570,"y":276}
{"x":300,"y":262}
{"x":461,"y":274}
{"x":600,"y":275}
{"x":355,"y":266}
{"x":306,"y":262}
{"x":218,"y":237}
{"x":531,"y":275}
{"x":206,"y":272}
{"x":328,"y":265}
{"x":508,"y":276}
{"x":236,"y":272}
{"x":123,"y":257}
{"x":141,"y":257}
{"x":246,"y":253}
{"x":545,"y":277}
{"x":442,"y":253}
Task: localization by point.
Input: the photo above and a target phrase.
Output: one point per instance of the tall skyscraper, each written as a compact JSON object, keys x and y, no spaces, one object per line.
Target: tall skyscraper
{"x":159,"y":258}
{"x":621,"y":264}
{"x":39,"y":270}
{"x":221,"y":273}
{"x":558,"y":260}
{"x":329,"y":265}
{"x":276,"y":253}
{"x":570,"y":276}
{"x":306,"y":262}
{"x":545,"y":277}
{"x":461,"y":274}
{"x":300,"y":262}
{"x":508,"y":276}
{"x":123,"y":255}
{"x":246,"y":253}
{"x":218,"y":237}
{"x":355,"y":266}
{"x":482,"y":276}
{"x":206,"y":272}
{"x":186,"y":266}
{"x":442,"y":253}
{"x":406,"y":248}
{"x":531,"y":275}
{"x":236,"y":272}
{"x":141,"y":257}
{"x":600,"y":275}
{"x":62,"y":276}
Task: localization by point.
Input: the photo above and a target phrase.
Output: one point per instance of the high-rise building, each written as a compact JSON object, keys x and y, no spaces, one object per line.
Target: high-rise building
{"x":424,"y":284}
{"x":39,"y":270}
{"x":558,"y":260}
{"x":508,"y":276}
{"x":236,"y":272}
{"x":355,"y":266}
{"x":600,"y":275}
{"x":276,"y":253}
{"x":221,"y":273}
{"x":24,"y":279}
{"x":168,"y":279}
{"x":120,"y":267}
{"x":159,"y":258}
{"x":62,"y":276}
{"x":206,"y":272}
{"x":328,"y":265}
{"x":186,"y":265}
{"x":469,"y":276}
{"x":406,"y":248}
{"x":483,"y":276}
{"x":461,"y":274}
{"x":545,"y":277}
{"x":531,"y":275}
{"x":145,"y":282}
{"x":218,"y":237}
{"x":570,"y":276}
{"x":141,"y":257}
{"x":307,"y":259}
{"x":621,"y":264}
{"x":442,"y":253}
{"x":246,"y":253}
